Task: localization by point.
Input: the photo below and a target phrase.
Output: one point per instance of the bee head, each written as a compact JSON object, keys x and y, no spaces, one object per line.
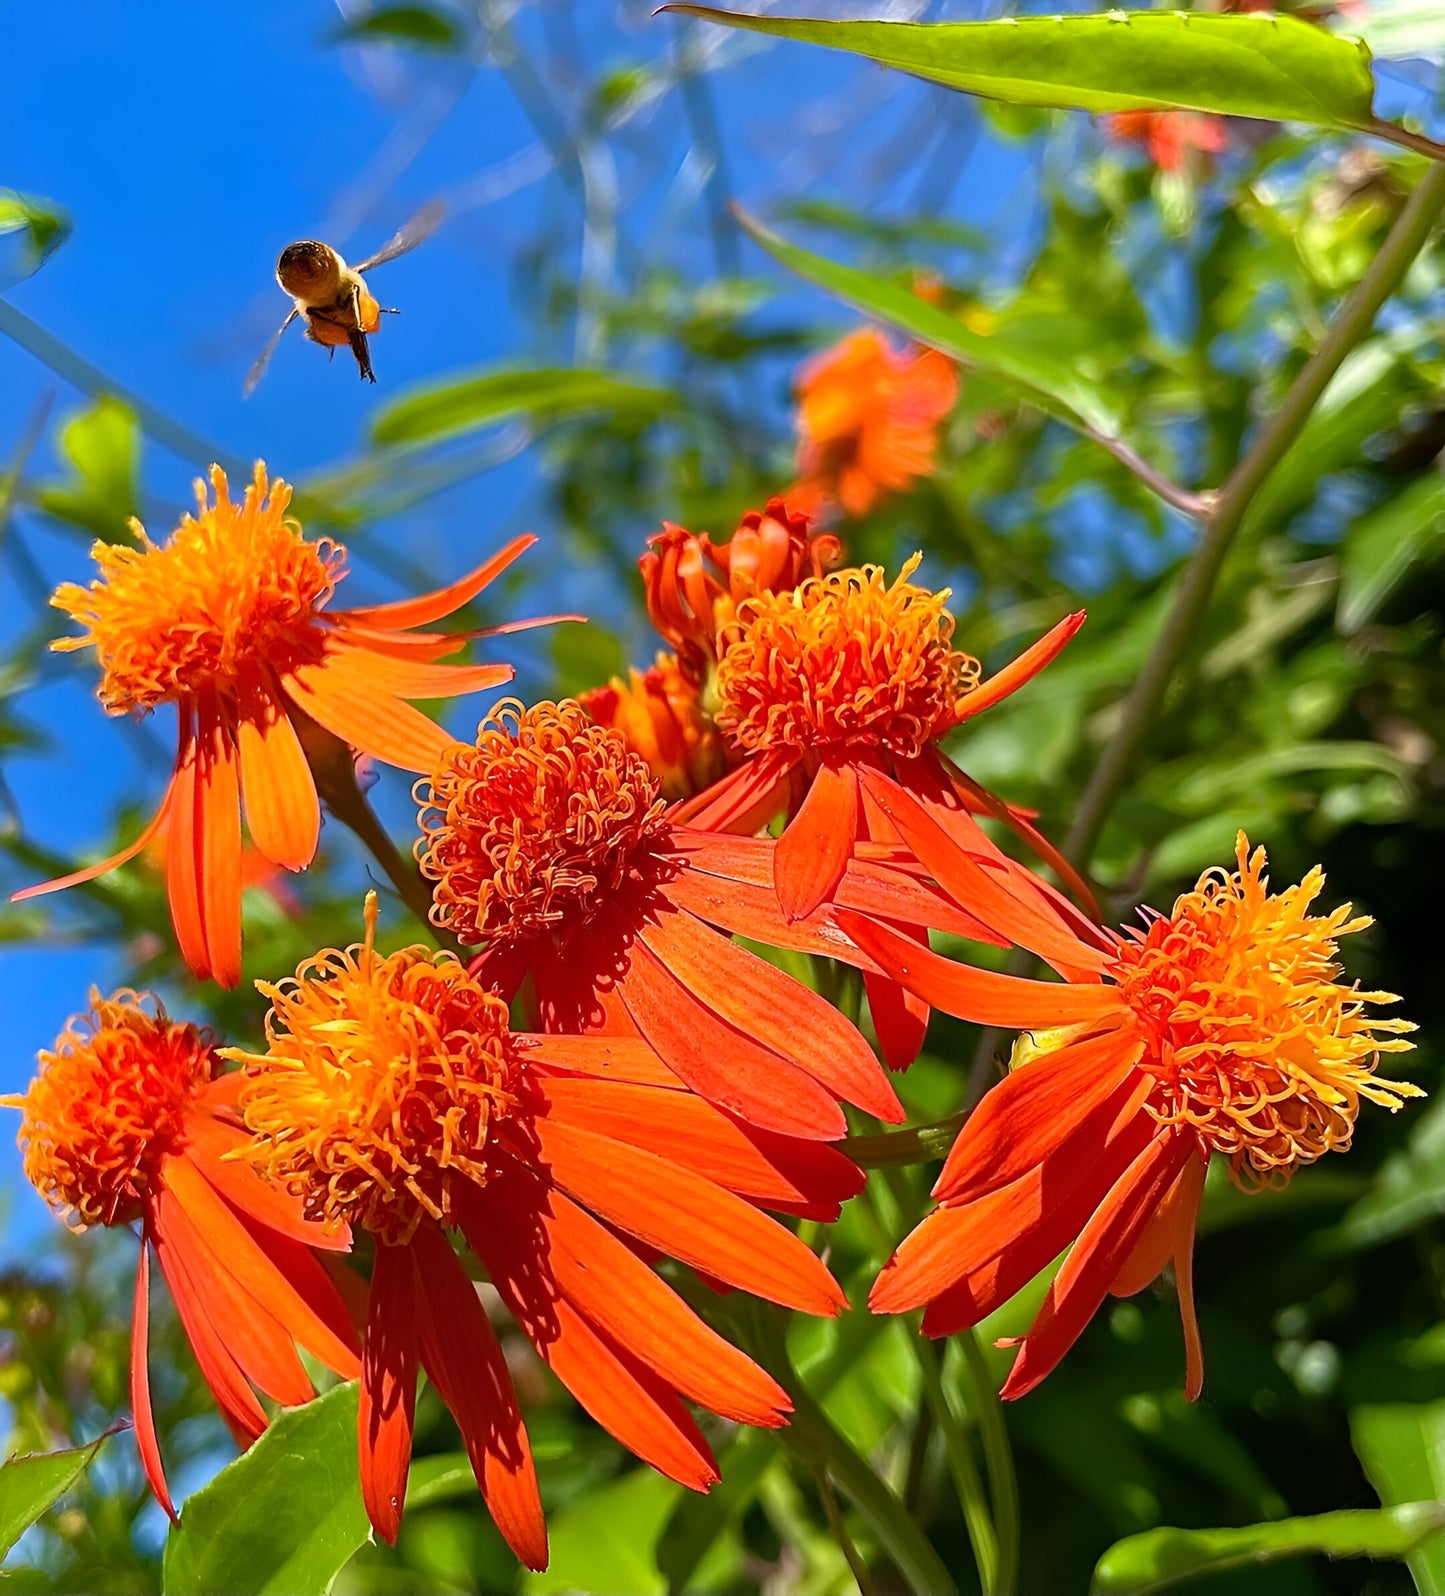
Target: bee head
{"x":309,"y":270}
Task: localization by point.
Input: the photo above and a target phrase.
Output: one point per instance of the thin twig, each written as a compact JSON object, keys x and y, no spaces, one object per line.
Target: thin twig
{"x":1198,"y":504}
{"x":1406,"y":139}
{"x":862,"y":1577}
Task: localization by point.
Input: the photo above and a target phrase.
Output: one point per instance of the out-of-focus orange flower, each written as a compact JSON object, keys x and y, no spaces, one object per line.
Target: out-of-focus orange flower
{"x":1221,"y":1028}
{"x":658,"y":713}
{"x":394,"y":1097}
{"x":550,"y":847}
{"x":1171,"y":137}
{"x":868,"y":421}
{"x":228,"y":622}
{"x":127,"y":1122}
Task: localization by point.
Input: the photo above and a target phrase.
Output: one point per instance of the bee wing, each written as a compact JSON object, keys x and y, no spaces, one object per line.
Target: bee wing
{"x":255,"y":374}
{"x":417,"y":231}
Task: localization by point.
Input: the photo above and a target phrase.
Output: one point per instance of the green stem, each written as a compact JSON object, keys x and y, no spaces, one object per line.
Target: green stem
{"x":919,"y":1144}
{"x":862,"y":1577}
{"x":1356,"y":317}
{"x":987,"y":1411}
{"x":967,"y":1481}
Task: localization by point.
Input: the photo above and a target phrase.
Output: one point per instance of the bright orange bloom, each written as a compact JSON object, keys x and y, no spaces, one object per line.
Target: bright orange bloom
{"x":844,"y":675}
{"x":659,"y":715}
{"x":1171,"y":137}
{"x":228,"y":622}
{"x":127,"y":1121}
{"x":868,"y":420}
{"x":551,"y":847}
{"x":1220,"y":1028}
{"x":394,"y":1097}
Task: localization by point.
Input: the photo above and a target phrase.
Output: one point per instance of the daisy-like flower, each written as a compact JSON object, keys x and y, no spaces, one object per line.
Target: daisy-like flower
{"x":1172,"y":138}
{"x":1221,"y":1028}
{"x":228,"y":621}
{"x":658,"y":713}
{"x":393,"y":1097}
{"x":868,"y":420}
{"x":128,"y":1122}
{"x":551,"y":848}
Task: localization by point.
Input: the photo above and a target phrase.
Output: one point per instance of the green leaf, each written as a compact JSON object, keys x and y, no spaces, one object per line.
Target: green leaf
{"x":1270,"y":67}
{"x":29,"y":1485}
{"x":283,"y":1518}
{"x":1380,"y":549}
{"x":417,"y":26}
{"x":1160,"y":1559}
{"x":456,"y":406}
{"x":608,"y":1539}
{"x":1401,"y":1447}
{"x":44,"y":223}
{"x":1053,"y":387}
{"x":103,"y":445}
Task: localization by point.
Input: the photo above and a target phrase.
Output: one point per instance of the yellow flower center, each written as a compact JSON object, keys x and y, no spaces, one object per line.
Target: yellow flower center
{"x":842,"y":659}
{"x":236,"y":587}
{"x":108,"y":1104}
{"x":1255,"y":1044}
{"x":543,"y":817}
{"x":380,"y":1085}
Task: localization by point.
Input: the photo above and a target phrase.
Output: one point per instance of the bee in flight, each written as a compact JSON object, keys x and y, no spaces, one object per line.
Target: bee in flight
{"x":332,"y":297}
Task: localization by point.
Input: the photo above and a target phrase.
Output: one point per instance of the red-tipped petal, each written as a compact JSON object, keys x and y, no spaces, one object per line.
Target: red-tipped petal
{"x":900,"y":1019}
{"x":688,"y":1217}
{"x":982,"y":996}
{"x":1170,"y":1227}
{"x":282,"y":810}
{"x":429,"y":607}
{"x":350,"y":708}
{"x":1023,"y":669}
{"x":388,"y":1388}
{"x":140,"y":1386}
{"x":460,"y":1354}
{"x":814,"y":849}
{"x":782,"y":1014}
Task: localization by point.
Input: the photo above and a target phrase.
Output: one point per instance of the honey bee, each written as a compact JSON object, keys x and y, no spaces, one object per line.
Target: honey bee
{"x":330,"y":295}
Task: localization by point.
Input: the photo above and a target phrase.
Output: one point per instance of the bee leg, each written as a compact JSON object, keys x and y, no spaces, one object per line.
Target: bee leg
{"x":388,"y":310}
{"x":362,"y":352}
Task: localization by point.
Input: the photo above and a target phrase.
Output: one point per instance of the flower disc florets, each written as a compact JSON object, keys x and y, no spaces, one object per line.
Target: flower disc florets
{"x":1254,"y":1042}
{"x":108,"y":1104}
{"x":382,"y":1079}
{"x":842,"y":659}
{"x":235,"y":588}
{"x":542,"y":818}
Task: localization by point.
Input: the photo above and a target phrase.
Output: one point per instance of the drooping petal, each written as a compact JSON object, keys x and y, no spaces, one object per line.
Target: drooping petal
{"x":218,"y":798}
{"x":1020,"y":670}
{"x":91,"y":871}
{"x":900,"y":1018}
{"x":1095,"y":1259}
{"x":1170,"y":1226}
{"x":183,"y":853}
{"x":813,"y":851}
{"x":406,"y":678}
{"x":388,"y":1388}
{"x":428,"y":607}
{"x":140,"y":1386}
{"x":983,"y":996}
{"x":282,"y":810}
{"x":722,"y":1063}
{"x":687,"y":1217}
{"x":751,"y":793}
{"x":460,"y":1354}
{"x":778,"y":1012}
{"x":351,"y":709}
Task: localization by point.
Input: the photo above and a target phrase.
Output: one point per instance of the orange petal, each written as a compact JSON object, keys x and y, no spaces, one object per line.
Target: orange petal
{"x":388,"y":1388}
{"x":720,"y":1062}
{"x":140,"y":1386}
{"x":1021,"y":670}
{"x":90,"y":872}
{"x":281,"y":805}
{"x":460,"y":1354}
{"x":405,"y":678}
{"x":604,"y":1058}
{"x":351,"y":709}
{"x":776,"y":1011}
{"x":1170,"y":1227}
{"x":209,"y":1140}
{"x":183,"y":855}
{"x":689,"y":1218}
{"x":756,"y":787}
{"x":900,"y":1019}
{"x":813,"y":851}
{"x":218,"y":842}
{"x":429,"y":607}
{"x":983,"y":996}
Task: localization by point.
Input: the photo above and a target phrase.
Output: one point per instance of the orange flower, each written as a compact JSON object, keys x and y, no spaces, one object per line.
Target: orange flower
{"x":1171,"y":137}
{"x":228,"y":622}
{"x":128,"y":1121}
{"x":868,"y":420}
{"x":394,"y":1097}
{"x":841,"y":676}
{"x":659,"y":715}
{"x":550,"y":845}
{"x":1221,"y":1028}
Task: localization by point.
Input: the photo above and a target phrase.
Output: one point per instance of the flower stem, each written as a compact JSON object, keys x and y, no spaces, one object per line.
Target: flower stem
{"x":1356,"y":317}
{"x":983,"y":1403}
{"x":919,"y":1144}
{"x":967,"y":1481}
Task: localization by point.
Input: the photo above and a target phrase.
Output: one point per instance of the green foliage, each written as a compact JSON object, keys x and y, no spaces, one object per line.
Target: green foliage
{"x":415,"y":27}
{"x":29,"y":1486}
{"x":1402,"y":1448}
{"x":43,"y":224}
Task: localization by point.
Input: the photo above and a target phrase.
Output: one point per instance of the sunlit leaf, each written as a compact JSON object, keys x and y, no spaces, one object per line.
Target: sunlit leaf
{"x":455,"y":406}
{"x":1271,"y":67}
{"x":1381,"y":549}
{"x":103,"y":445}
{"x":44,"y":224}
{"x":1401,"y":1447}
{"x":30,"y":1485}
{"x":1160,"y":1559}
{"x":416,"y":26}
{"x":607,"y":1540}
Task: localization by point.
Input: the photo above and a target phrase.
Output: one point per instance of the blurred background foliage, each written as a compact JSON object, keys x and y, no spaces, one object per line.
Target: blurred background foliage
{"x":633,"y":363}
